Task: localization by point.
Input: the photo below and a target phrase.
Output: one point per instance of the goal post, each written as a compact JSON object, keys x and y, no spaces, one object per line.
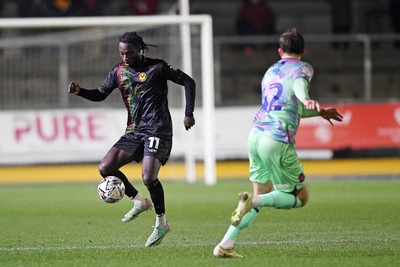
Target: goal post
{"x":206,"y":50}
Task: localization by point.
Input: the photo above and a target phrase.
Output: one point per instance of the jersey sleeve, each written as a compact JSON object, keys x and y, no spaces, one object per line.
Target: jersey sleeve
{"x":110,"y":83}
{"x":179,"y":77}
{"x":92,"y":94}
{"x":301,"y":87}
{"x":305,"y":71}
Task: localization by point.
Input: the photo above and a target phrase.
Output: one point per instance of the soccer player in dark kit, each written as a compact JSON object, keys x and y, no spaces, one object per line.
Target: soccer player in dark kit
{"x":142,"y":82}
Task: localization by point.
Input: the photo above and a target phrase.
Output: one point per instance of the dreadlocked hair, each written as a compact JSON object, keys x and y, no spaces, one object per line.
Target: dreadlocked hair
{"x":133,"y":38}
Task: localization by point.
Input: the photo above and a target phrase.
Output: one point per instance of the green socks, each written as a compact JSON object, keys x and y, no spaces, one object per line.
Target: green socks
{"x":233,"y":232}
{"x":275,"y":199}
{"x":280,"y":200}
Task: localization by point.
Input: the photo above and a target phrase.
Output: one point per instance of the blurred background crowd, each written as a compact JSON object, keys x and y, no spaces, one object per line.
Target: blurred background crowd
{"x":244,"y":16}
{"x":56,"y":8}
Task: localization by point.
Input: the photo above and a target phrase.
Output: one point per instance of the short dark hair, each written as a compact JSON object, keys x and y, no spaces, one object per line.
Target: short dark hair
{"x":133,"y":38}
{"x":292,"y":41}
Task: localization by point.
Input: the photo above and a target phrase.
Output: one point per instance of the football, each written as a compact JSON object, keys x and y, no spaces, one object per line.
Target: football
{"x":111,"y":189}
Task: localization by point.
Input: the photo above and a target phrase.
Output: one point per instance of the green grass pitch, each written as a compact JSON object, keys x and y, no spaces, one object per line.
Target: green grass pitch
{"x":346,"y":223}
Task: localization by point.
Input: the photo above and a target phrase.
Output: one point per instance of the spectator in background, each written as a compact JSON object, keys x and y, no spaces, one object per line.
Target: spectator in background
{"x":29,"y":8}
{"x":255,"y":17}
{"x":91,"y":7}
{"x":56,"y":8}
{"x":143,"y":7}
{"x":394,"y":11}
{"x":341,"y":14}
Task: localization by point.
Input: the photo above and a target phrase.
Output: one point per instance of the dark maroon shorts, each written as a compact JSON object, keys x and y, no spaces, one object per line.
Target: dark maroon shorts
{"x":146,"y":145}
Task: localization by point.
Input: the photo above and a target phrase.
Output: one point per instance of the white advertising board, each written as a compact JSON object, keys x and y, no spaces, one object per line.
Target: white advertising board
{"x":85,"y":135}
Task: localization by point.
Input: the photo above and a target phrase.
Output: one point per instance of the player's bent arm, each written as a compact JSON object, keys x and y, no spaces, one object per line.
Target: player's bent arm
{"x":309,"y":113}
{"x":328,"y":114}
{"x":300,"y":89}
{"x":190,"y":94}
{"x":179,"y":77}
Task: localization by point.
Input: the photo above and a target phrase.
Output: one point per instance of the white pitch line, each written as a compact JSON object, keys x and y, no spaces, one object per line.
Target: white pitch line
{"x":246,"y":243}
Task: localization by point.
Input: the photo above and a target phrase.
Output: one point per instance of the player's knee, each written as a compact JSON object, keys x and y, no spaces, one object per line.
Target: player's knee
{"x":304,"y":201}
{"x":303,"y":195}
{"x":103,"y":169}
{"x":303,"y":198}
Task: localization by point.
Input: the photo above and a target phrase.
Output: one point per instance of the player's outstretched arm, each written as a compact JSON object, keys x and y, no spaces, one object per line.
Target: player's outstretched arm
{"x":89,"y":94}
{"x":331,"y":114}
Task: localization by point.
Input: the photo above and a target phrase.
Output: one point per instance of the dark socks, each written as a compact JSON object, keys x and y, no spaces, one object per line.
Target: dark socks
{"x":130,"y":191}
{"x":157,"y":196}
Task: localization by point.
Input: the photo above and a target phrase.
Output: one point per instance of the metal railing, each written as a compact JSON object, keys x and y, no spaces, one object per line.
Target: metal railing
{"x":363,"y":42}
{"x":35,"y":69}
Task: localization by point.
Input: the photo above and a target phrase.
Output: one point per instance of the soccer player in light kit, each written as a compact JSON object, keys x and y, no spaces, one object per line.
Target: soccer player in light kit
{"x":275,"y":169}
{"x":142,"y":82}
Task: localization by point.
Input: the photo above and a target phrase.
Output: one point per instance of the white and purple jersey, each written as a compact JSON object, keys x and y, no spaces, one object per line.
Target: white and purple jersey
{"x":280,"y":113}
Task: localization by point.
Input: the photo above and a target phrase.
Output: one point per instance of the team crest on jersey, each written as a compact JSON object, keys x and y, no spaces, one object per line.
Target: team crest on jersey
{"x":142,"y":76}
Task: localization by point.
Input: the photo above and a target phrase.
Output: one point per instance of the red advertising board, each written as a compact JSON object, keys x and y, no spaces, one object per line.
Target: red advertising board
{"x":364,"y":126}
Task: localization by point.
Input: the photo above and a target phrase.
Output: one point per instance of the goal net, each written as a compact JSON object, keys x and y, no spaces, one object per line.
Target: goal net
{"x":40,"y":56}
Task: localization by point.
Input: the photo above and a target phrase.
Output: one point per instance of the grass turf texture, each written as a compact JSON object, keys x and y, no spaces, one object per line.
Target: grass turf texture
{"x":346,"y":223}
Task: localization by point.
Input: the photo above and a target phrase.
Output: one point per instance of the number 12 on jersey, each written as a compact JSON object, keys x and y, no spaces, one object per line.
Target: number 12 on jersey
{"x":272,"y":93}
